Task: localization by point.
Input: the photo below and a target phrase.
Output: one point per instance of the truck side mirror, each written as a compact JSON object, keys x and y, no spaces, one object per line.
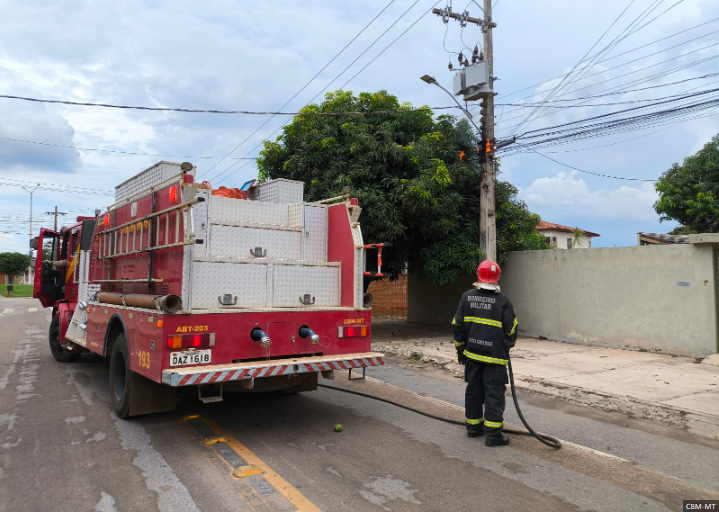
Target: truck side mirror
{"x":33,"y":243}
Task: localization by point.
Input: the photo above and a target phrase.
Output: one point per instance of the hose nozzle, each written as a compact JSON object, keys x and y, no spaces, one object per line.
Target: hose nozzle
{"x":258,"y":334}
{"x":307,"y":332}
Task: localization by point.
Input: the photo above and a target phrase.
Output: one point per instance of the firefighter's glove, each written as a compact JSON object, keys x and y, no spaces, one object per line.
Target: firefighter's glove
{"x":461,"y":358}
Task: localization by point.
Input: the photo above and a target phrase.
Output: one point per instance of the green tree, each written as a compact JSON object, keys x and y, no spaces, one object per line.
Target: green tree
{"x":405,"y":169}
{"x":14,"y":263}
{"x":689,"y":193}
{"x":577,"y":242}
{"x":682,"y":230}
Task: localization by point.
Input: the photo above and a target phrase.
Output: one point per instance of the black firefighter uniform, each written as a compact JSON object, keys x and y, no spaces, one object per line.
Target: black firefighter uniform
{"x":485,"y":328}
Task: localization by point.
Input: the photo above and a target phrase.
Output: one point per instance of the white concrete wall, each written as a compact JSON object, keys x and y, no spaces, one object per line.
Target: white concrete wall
{"x":585,"y":242}
{"x":625,"y":297}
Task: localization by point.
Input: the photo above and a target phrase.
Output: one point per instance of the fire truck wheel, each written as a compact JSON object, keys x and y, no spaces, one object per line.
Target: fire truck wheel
{"x":58,"y":352}
{"x":120,"y":376}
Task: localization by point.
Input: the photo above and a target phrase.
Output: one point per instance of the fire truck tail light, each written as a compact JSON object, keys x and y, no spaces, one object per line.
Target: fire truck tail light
{"x":173,"y":194}
{"x":190,"y":341}
{"x":360,"y":331}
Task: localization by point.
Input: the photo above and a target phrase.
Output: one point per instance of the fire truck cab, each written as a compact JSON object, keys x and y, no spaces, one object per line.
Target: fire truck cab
{"x":182,"y":285}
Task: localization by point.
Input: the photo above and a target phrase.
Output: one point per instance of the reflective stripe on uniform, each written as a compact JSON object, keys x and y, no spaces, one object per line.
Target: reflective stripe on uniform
{"x":458,"y":343}
{"x":514,"y":327}
{"x":485,"y":321}
{"x":493,"y":424}
{"x":454,"y":321}
{"x":473,"y":422}
{"x":484,"y":359}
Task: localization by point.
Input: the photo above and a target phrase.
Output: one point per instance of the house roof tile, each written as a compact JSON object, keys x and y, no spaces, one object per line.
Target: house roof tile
{"x":550,"y":226}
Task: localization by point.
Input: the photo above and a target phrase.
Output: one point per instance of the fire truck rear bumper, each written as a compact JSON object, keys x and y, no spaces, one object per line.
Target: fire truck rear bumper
{"x":194,"y":375}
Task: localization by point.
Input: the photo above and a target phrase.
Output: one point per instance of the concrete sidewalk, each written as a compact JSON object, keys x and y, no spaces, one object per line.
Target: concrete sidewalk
{"x":676,"y":390}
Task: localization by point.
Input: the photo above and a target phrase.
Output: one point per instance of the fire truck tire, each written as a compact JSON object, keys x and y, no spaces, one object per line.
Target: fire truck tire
{"x":60,"y":353}
{"x":120,"y":377}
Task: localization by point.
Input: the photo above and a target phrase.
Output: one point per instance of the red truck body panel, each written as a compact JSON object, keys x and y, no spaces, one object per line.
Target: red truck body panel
{"x":176,"y":238}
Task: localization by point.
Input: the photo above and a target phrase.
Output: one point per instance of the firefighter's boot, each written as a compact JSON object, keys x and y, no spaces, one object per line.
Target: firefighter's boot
{"x":475,"y":431}
{"x":496,"y":439}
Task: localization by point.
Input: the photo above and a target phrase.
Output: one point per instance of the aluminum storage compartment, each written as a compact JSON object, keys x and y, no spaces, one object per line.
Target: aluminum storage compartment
{"x":239,"y":241}
{"x":225,"y":210}
{"x":148,"y":178}
{"x":314,"y":237}
{"x":278,"y":191}
{"x":292,"y":282}
{"x":212,"y":281}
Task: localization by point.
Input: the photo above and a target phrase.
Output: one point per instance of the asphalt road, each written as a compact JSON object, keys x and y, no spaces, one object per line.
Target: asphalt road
{"x":62,"y":448}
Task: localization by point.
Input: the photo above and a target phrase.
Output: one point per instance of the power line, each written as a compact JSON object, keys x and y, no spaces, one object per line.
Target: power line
{"x":629,"y":30}
{"x":303,"y":87}
{"x":93,"y":190}
{"x":248,"y":112}
{"x":614,"y":57}
{"x":625,"y":64}
{"x":567,"y":132}
{"x":556,"y":88}
{"x":389,"y":45}
{"x":68,"y":191}
{"x":325,"y":88}
{"x":646,"y":79}
{"x":329,"y":84}
{"x":102,"y":150}
{"x":616,"y":41}
{"x":586,"y":172}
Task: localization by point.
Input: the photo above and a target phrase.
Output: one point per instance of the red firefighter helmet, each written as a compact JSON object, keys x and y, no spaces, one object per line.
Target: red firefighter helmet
{"x":488,"y":272}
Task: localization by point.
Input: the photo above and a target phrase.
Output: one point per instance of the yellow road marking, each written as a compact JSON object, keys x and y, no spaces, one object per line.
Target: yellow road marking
{"x":244,"y":471}
{"x":275,"y":480}
{"x":212,"y":440}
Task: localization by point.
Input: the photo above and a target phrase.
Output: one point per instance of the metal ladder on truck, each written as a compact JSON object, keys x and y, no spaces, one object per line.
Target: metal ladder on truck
{"x":123,"y":240}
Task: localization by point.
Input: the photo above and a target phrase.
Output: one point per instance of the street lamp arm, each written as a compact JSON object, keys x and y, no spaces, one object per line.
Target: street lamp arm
{"x":432,"y":81}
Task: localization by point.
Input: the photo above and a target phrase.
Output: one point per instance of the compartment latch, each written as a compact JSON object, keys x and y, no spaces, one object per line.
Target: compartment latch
{"x":257,"y":252}
{"x":307,"y":299}
{"x":226,"y":300}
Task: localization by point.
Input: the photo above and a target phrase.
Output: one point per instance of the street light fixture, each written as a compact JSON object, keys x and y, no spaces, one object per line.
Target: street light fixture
{"x":433,"y":81}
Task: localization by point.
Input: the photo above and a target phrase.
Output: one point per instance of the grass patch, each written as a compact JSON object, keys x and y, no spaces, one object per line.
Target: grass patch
{"x":19,"y":290}
{"x":416,"y":356}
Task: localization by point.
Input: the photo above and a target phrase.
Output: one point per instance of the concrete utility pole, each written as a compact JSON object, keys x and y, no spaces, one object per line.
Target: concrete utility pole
{"x":487,"y":218}
{"x":55,"y":213}
{"x":474,"y":81}
{"x":29,"y":268}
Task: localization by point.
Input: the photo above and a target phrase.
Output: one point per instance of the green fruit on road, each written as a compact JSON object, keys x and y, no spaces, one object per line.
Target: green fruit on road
{"x":338,"y":428}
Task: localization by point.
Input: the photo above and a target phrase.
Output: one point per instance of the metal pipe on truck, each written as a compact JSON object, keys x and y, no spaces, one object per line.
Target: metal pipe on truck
{"x":167,"y":303}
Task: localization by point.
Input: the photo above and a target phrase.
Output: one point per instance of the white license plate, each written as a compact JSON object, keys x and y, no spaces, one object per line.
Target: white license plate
{"x":194,"y":357}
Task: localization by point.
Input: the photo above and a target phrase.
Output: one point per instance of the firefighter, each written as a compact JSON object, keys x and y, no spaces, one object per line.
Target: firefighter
{"x":485,"y":328}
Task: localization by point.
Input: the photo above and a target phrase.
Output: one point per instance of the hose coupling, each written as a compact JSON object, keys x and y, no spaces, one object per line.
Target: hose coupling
{"x":259,"y":335}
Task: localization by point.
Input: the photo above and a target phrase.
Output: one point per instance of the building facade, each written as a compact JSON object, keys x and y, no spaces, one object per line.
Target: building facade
{"x":563,"y":237}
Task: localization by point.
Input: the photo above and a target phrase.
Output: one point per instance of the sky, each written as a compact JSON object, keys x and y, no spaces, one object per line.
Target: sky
{"x":227,"y":55}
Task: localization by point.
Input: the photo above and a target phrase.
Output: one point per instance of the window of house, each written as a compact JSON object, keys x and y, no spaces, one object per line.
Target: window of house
{"x":548,"y":240}
{"x":569,"y":243}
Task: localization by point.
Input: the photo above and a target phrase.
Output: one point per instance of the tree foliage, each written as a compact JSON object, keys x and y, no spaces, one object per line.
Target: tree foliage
{"x":405,"y":170}
{"x":14,"y":263}
{"x":689,"y":193}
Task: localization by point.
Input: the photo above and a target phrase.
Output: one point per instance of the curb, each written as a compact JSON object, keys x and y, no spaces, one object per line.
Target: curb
{"x":694,"y":421}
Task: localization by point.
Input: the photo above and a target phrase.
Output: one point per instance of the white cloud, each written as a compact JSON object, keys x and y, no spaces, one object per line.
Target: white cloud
{"x":565,"y":195}
{"x":230,"y":55}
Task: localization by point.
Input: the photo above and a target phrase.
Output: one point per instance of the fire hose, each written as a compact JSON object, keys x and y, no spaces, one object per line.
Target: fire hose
{"x":550,"y":441}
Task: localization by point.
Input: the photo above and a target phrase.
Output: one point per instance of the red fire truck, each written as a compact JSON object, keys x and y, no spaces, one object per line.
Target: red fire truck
{"x":180,"y":285}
